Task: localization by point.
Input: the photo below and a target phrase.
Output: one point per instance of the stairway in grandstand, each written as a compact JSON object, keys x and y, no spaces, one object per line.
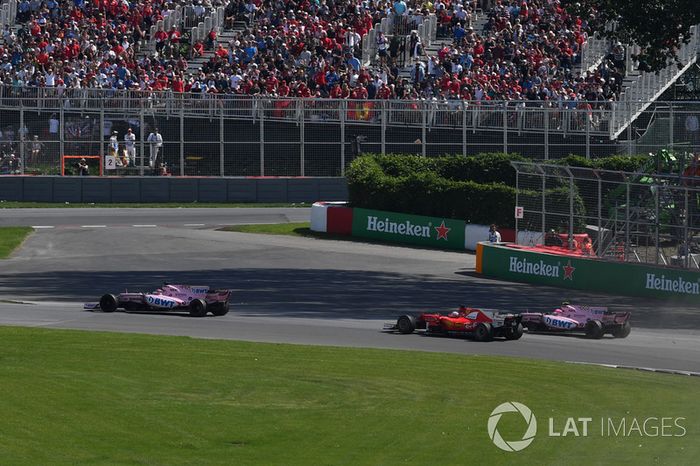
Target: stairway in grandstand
{"x":224,"y":37}
{"x":641,"y":89}
{"x":197,"y":29}
{"x":436,"y":44}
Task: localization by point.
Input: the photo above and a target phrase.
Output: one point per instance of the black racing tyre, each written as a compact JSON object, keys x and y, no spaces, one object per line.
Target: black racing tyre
{"x":514,"y":333}
{"x":219,"y":309}
{"x":595,"y":329}
{"x":198,"y":308}
{"x":483,"y":332}
{"x":622,"y":331}
{"x":108,"y":303}
{"x":406,"y":324}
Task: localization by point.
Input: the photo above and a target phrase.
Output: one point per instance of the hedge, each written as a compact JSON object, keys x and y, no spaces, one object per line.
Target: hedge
{"x":482,"y":168}
{"x":439,"y":187}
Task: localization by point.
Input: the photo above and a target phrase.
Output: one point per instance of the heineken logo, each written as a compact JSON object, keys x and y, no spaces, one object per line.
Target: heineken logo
{"x":407,"y":228}
{"x":541,"y":268}
{"x":674,"y":285}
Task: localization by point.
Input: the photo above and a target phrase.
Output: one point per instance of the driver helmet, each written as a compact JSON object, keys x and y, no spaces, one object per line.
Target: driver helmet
{"x":454,"y":314}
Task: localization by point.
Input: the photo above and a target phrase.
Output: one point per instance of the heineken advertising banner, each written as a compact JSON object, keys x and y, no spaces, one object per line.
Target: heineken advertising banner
{"x":411,"y":229}
{"x":622,"y":278}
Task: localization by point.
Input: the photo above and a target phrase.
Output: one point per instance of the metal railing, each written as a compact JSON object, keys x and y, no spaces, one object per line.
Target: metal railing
{"x":8,"y":13}
{"x":522,"y":116}
{"x":233,"y":135}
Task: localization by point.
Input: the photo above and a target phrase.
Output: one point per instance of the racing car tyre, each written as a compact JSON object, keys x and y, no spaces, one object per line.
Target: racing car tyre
{"x":406,"y":324}
{"x":594,"y":329}
{"x":483,"y":332}
{"x":514,"y":333}
{"x":622,"y":331}
{"x":220,"y":309}
{"x":108,"y":303}
{"x":198,"y":308}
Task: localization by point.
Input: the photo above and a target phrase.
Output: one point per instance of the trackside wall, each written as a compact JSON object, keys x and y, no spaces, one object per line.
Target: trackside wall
{"x":621,"y":278}
{"x":170,"y":189}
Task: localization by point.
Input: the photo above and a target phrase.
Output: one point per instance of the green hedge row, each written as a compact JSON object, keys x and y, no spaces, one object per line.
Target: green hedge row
{"x":441,"y":187}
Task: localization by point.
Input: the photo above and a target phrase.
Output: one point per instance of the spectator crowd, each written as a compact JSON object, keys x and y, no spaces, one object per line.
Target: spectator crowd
{"x":527,"y":50}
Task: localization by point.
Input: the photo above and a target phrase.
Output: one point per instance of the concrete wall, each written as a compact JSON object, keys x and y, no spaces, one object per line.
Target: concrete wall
{"x":170,"y":189}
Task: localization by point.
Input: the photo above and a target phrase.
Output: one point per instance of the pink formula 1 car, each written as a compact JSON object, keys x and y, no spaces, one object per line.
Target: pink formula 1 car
{"x":593,"y":321}
{"x":197,"y":300}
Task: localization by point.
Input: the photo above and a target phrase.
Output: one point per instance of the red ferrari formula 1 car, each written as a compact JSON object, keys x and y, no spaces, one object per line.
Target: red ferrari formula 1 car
{"x":480,"y":324}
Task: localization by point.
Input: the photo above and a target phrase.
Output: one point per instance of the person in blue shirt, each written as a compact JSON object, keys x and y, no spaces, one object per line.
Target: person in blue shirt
{"x":400,"y":7}
{"x":352,"y":61}
{"x":459,"y":33}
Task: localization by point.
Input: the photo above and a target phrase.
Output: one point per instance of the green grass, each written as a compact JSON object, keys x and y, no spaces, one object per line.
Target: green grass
{"x":71,"y":397}
{"x":292,"y":229}
{"x":26,"y":205}
{"x":11,"y":238}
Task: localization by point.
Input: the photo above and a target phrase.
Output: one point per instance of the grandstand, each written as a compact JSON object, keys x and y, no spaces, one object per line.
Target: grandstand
{"x":513,"y":75}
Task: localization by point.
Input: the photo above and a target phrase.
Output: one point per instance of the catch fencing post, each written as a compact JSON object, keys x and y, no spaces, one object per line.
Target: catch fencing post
{"x":627,"y":220}
{"x":571,"y":207}
{"x":101,"y":132}
{"x":505,"y":128}
{"x":262,"y":141}
{"x":547,"y":111}
{"x":383,"y":136}
{"x":588,"y":135}
{"x":670,"y":126}
{"x":341,"y":118}
{"x":656,"y":218}
{"x":424,"y":132}
{"x":464,"y":134}
{"x":544,"y":210}
{"x":182,"y":140}
{"x":301,"y":136}
{"x":517,"y":198}
{"x":141,"y":142}
{"x":685,"y":231}
{"x":221,"y":139}
{"x":23,"y":139}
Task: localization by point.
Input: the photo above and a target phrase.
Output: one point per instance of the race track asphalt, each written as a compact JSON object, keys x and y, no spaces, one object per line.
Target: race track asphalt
{"x":299,"y":290}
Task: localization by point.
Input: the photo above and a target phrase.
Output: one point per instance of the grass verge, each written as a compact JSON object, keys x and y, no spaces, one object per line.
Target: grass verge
{"x":11,"y":238}
{"x":74,"y":397}
{"x":81,"y":205}
{"x":291,"y":229}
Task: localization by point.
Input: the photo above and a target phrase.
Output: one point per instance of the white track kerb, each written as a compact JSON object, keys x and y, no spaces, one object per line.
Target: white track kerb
{"x":512,"y":407}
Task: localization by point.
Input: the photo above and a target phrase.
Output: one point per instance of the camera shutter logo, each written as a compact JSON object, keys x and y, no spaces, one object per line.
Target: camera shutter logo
{"x":512,"y":407}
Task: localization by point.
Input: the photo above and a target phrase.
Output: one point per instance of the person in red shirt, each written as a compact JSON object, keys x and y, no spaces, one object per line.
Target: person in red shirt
{"x":198,"y":49}
{"x":283,"y":89}
{"x":384,"y":92}
{"x":178,"y":84}
{"x":174,"y":38}
{"x":221,"y":52}
{"x":160,"y":36}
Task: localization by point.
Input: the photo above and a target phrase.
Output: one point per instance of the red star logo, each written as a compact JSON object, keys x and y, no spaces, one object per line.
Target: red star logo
{"x":442,"y":231}
{"x":569,"y":271}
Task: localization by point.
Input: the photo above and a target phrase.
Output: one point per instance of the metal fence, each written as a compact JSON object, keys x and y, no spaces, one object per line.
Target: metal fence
{"x":638,"y":217}
{"x":232,"y":135}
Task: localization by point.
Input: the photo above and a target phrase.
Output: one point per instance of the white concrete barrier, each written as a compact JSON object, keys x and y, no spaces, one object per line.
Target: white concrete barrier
{"x":319,"y":216}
